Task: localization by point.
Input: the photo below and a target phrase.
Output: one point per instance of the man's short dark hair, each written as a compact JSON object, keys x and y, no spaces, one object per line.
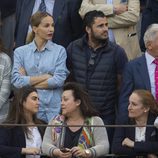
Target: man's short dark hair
{"x":90,"y":16}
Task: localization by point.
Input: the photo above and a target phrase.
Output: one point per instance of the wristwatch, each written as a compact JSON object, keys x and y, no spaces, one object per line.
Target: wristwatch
{"x":87,"y":152}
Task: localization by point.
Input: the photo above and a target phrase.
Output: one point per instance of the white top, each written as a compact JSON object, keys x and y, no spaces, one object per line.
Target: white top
{"x":140,"y":134}
{"x":151,"y":70}
{"x":34,"y":141}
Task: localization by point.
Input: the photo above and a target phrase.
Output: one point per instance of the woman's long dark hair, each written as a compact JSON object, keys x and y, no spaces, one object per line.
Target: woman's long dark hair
{"x":16,"y":110}
{"x":86,"y":107}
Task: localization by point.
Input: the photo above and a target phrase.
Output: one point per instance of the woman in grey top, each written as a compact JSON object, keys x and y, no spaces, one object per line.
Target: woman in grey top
{"x":5,"y":72}
{"x":75,"y":141}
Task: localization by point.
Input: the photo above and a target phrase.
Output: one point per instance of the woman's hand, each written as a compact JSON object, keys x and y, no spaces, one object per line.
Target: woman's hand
{"x":152,"y":156}
{"x":156,"y":122}
{"x":30,"y":151}
{"x":58,"y":153}
{"x":78,"y":152}
{"x":128,"y":142}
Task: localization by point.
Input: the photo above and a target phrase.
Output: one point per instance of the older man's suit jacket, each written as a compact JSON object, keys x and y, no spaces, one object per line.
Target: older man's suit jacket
{"x":68,"y":24}
{"x":123,"y":25}
{"x":135,"y":76}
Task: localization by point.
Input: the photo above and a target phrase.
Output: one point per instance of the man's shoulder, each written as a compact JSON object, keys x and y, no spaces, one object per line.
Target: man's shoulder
{"x":138,"y":60}
{"x":116,"y":48}
{"x":118,"y":52}
{"x":135,"y":63}
{"x":78,"y":43}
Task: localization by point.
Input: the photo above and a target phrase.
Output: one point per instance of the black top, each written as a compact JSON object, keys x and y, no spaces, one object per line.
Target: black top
{"x":71,"y":138}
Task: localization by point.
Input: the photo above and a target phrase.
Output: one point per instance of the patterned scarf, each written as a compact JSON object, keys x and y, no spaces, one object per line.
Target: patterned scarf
{"x":86,"y":137}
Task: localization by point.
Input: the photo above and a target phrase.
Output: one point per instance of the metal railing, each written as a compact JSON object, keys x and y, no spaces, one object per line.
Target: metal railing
{"x":46,"y":125}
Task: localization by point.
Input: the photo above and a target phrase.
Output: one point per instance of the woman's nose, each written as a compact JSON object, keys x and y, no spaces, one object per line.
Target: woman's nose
{"x":129,"y":106}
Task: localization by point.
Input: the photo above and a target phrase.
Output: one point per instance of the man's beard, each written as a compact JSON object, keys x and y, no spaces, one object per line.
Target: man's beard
{"x":101,"y":41}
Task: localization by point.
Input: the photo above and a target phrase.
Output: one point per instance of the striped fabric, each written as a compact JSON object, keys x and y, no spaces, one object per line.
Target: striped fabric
{"x":86,"y":137}
{"x":42,"y":6}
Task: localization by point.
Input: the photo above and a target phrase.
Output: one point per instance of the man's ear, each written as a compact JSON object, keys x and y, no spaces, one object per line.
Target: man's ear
{"x":149,"y":45}
{"x":88,"y":29}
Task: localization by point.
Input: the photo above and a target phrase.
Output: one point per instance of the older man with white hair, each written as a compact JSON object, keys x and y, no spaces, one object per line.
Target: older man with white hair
{"x":142,"y":72}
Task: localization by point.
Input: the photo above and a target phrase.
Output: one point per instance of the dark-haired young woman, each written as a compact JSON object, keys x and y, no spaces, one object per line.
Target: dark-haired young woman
{"x":22,"y":141}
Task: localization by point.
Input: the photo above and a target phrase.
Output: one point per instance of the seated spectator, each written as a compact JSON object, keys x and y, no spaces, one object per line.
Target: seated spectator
{"x":141,"y":73}
{"x":5,"y":74}
{"x":42,"y":64}
{"x":21,"y":141}
{"x":141,"y":140}
{"x":75,"y":141}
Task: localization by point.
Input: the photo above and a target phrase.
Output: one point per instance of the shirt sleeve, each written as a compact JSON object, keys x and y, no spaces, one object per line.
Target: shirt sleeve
{"x":48,"y":144}
{"x":88,"y":5}
{"x":126,"y":19}
{"x":17,"y":79}
{"x":119,"y":136}
{"x":101,"y":146}
{"x":5,"y":85}
{"x":61,"y":71}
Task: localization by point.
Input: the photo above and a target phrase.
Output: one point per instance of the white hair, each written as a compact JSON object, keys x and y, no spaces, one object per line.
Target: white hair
{"x":150,"y":33}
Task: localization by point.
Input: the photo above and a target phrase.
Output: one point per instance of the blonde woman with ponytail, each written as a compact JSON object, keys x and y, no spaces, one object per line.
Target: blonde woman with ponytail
{"x":41,"y":64}
{"x":30,"y":37}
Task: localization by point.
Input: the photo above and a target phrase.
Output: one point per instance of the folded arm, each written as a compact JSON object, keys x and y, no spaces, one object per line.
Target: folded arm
{"x":20,"y":78}
{"x":127,"y":18}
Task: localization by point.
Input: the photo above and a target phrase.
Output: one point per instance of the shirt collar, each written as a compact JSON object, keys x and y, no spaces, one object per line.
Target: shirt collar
{"x":149,"y":58}
{"x":47,"y":45}
{"x":85,"y":41}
